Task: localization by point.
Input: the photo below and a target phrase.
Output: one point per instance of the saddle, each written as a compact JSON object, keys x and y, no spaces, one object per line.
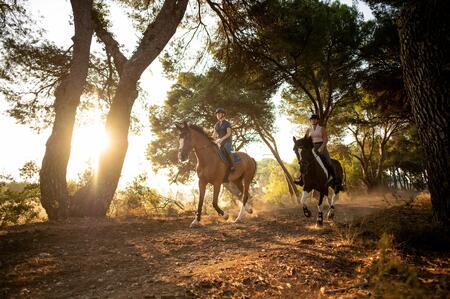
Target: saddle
{"x":236,"y":158}
{"x":330,"y":168}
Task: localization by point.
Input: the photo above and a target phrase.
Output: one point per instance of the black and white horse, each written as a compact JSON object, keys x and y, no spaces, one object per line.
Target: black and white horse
{"x":315,"y":176}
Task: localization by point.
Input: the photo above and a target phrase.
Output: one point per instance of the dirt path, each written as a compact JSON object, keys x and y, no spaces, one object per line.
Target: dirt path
{"x":278,"y":254}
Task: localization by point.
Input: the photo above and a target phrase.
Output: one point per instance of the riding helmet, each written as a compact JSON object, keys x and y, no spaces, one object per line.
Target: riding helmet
{"x":314,"y":116}
{"x":220,"y":110}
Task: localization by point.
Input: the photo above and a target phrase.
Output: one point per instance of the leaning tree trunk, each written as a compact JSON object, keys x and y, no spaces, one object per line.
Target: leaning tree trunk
{"x":53,"y":185}
{"x":424,"y":29}
{"x":293,"y":191}
{"x":95,"y":198}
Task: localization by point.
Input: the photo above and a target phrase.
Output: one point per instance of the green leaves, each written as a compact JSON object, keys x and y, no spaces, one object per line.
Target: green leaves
{"x":194,"y":98}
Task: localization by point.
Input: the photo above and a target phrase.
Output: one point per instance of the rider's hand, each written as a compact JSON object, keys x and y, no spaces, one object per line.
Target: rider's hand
{"x":320,"y":149}
{"x":218,"y":141}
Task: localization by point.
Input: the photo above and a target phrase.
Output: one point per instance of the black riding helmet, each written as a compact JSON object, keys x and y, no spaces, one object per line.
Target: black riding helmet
{"x":220,"y":110}
{"x":314,"y":116}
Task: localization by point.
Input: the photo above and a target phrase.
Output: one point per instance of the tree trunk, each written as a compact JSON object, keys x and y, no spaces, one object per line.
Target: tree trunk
{"x":289,"y":180}
{"x":53,"y":184}
{"x":95,"y":198}
{"x":424,"y":29}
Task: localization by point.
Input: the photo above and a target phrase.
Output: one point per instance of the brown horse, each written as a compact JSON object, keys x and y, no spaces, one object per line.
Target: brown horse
{"x":212,"y":170}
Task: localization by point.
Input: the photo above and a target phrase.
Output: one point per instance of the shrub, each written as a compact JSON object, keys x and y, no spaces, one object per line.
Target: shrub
{"x":19,"y":203}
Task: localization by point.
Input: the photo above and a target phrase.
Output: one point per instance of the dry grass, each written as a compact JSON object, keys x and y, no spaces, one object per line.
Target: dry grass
{"x":410,"y":225}
{"x":407,"y":252}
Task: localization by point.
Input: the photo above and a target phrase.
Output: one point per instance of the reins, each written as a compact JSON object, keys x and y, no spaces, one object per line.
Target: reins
{"x":307,"y":164}
{"x":203,"y":147}
{"x":210,"y":144}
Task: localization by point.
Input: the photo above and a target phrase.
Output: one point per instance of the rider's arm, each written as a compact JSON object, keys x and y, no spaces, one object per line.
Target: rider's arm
{"x":228,"y":134}
{"x":324,"y":138}
{"x":307,"y":133}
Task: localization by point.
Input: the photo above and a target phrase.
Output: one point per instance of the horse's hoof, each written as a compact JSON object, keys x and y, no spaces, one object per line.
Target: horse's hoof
{"x":249,"y":210}
{"x":330,"y":214}
{"x":306,"y":212}
{"x":225,"y":216}
{"x":319,"y":219}
{"x":195,"y":223}
{"x":238,"y":220}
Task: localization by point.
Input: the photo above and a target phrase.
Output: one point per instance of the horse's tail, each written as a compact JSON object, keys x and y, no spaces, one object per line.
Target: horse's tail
{"x":256,"y":168}
{"x":341,"y":177}
{"x":342,"y":186}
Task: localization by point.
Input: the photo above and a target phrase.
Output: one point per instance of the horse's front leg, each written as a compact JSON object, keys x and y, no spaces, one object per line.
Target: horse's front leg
{"x":216,"y":200}
{"x":198,"y":215}
{"x":320,"y":213}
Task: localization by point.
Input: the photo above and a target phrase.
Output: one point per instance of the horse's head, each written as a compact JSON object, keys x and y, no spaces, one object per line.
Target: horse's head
{"x":185,"y":141}
{"x":300,"y":145}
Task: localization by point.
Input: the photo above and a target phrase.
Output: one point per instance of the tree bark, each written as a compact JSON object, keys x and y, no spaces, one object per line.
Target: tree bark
{"x":95,"y":198}
{"x":273,"y":149}
{"x":424,"y":29}
{"x":53,"y":184}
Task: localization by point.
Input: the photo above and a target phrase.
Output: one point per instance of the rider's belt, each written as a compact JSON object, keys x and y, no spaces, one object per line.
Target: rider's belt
{"x":318,"y":143}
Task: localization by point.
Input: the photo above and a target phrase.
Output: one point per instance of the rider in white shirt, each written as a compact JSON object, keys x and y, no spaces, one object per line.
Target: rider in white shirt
{"x":320,"y":139}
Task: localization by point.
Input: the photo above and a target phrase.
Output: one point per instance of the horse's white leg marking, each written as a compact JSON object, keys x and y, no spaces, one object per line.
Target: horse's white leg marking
{"x":330,"y":214}
{"x":195,"y":222}
{"x":241,"y":213}
{"x":334,"y":198}
{"x":330,"y":199}
{"x":319,"y":206}
{"x":305,"y":198}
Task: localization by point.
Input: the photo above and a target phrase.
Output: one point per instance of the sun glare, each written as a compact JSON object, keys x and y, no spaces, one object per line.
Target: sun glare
{"x":87,"y":144}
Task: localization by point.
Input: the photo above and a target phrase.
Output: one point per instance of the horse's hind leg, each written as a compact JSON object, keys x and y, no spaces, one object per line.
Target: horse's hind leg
{"x":244,"y":200}
{"x":198,"y":215}
{"x":240,"y":186}
{"x":330,"y":214}
{"x":320,"y":213}
{"x":216,"y":200}
{"x":304,"y":199}
{"x":235,"y":187}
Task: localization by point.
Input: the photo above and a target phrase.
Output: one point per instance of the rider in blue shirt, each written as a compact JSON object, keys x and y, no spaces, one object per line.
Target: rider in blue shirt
{"x":222,"y":134}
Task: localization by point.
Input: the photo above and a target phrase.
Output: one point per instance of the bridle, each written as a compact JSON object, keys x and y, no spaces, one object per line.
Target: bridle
{"x":204,"y":147}
{"x":304,"y":165}
{"x":210,"y":144}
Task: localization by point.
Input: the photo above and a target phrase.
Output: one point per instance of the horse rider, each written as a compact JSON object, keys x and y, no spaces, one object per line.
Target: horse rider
{"x":320,"y":139}
{"x":222,"y":136}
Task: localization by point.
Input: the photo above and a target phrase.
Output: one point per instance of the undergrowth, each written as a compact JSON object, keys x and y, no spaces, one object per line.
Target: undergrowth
{"x":396,"y":238}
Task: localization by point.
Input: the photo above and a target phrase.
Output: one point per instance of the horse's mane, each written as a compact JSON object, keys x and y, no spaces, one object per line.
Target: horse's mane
{"x":201,"y":131}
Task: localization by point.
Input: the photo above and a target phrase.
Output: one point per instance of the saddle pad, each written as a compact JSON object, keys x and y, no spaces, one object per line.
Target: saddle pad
{"x":235,"y":156}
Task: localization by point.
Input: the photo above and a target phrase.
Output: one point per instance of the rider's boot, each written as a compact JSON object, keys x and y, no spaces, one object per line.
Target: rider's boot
{"x":332,"y":172}
{"x":230,"y":161}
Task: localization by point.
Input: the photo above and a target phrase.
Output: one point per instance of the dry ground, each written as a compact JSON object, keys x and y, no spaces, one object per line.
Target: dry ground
{"x":278,"y":254}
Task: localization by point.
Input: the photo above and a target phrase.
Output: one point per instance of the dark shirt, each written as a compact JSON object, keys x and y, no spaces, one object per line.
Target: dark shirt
{"x":221,"y":129}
